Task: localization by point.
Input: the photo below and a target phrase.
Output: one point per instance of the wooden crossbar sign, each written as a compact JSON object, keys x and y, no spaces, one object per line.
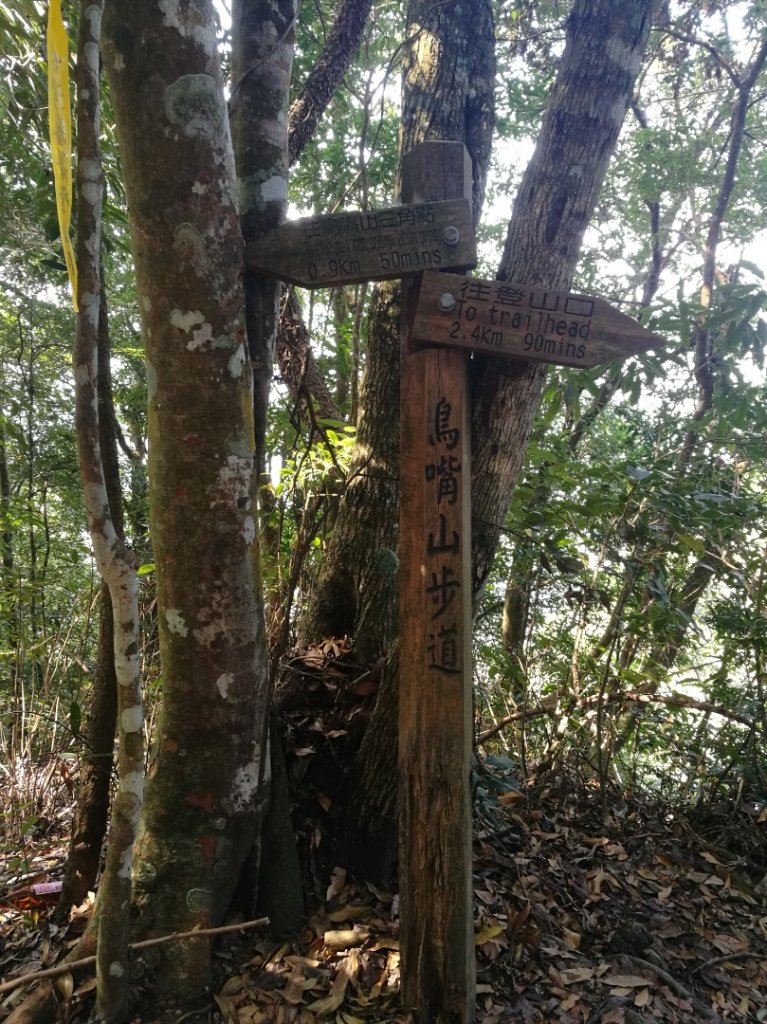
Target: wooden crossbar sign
{"x":341,"y":248}
{"x":524,"y":322}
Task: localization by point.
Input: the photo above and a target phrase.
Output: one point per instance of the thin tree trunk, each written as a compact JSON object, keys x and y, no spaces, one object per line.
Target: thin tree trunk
{"x":310,"y":103}
{"x":704,"y":371}
{"x":297,"y":362}
{"x":263,"y":39}
{"x":92,"y":811}
{"x":115,"y":564}
{"x":262,"y":58}
{"x":7,"y":586}
{"x":299,"y":367}
{"x":664,"y":653}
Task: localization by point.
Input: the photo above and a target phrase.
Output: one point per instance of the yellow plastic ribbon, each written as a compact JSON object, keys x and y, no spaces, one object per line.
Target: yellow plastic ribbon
{"x":60,"y":129}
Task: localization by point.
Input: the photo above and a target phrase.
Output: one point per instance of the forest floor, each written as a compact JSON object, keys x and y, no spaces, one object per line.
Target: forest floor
{"x":583,"y":914}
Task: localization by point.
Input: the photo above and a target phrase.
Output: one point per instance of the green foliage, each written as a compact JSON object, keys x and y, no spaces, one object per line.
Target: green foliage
{"x":610,"y":528}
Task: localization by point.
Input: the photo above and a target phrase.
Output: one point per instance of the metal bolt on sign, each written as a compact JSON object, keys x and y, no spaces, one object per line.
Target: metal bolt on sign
{"x":451,"y":235}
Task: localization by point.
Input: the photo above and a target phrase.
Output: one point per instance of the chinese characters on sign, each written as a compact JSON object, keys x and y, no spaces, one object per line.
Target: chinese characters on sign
{"x":443,"y":577}
{"x":367,"y":245}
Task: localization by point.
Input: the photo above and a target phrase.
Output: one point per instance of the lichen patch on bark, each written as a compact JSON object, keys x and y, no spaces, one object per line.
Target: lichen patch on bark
{"x":186,"y":321}
{"x":188,"y":23}
{"x":245,"y":785}
{"x":237,"y":362}
{"x":193,"y":102}
{"x":223,"y":683}
{"x":176,"y":622}
{"x":132,"y":718}
{"x":89,"y":306}
{"x":151,"y":379}
{"x":249,"y":530}
{"x":133,"y":782}
{"x":198,"y":899}
{"x":126,"y":863}
{"x":273,"y":188}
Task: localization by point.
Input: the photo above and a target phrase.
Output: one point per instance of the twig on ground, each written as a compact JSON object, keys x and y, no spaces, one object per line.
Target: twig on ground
{"x":73,"y":965}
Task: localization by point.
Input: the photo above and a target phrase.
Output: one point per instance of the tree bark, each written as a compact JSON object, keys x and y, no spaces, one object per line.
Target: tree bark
{"x":310,"y":103}
{"x":92,"y":811}
{"x":262,"y":59}
{"x":115,"y":563}
{"x":173,"y":129}
{"x":555,"y":202}
{"x":448,"y":77}
{"x":298,"y":366}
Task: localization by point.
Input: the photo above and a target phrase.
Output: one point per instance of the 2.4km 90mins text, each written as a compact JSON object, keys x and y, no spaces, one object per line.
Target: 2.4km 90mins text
{"x":544,"y":334}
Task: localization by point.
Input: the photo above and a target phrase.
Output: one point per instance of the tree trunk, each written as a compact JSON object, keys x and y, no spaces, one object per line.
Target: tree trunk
{"x":199,"y":821}
{"x":115,"y":563}
{"x":314,"y":96}
{"x":8,"y":612}
{"x":92,"y":811}
{"x":357,"y":581}
{"x":555,"y":202}
{"x":262,"y":59}
{"x":448,"y":82}
{"x":554,"y":205}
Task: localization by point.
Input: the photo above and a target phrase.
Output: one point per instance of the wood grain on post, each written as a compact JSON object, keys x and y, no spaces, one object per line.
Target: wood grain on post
{"x":435,"y":716}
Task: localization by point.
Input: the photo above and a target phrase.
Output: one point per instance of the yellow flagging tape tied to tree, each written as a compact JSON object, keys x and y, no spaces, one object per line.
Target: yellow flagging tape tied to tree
{"x":60,"y":129}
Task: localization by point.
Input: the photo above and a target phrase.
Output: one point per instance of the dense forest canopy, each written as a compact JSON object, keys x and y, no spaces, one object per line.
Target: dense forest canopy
{"x":202,"y":507}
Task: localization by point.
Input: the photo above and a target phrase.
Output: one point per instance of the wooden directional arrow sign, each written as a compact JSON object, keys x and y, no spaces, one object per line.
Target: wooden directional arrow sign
{"x":341,"y":248}
{"x":525,"y":322}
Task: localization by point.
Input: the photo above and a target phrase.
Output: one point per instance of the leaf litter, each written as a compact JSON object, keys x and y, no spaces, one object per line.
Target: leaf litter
{"x":642,"y":914}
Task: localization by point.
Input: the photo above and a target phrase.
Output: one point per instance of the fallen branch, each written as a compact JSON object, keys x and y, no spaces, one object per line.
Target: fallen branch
{"x":743,"y":955}
{"x":679,"y":990}
{"x":87,"y":961}
{"x":674,"y":700}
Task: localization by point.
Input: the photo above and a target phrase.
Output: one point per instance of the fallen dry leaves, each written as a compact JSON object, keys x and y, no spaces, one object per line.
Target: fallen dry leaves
{"x":579,"y":919}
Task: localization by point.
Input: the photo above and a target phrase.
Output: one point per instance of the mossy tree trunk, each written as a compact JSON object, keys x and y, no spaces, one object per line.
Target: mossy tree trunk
{"x":199,"y":822}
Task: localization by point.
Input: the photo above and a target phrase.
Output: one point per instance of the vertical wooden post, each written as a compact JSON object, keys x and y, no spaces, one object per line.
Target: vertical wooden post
{"x":435,"y":709}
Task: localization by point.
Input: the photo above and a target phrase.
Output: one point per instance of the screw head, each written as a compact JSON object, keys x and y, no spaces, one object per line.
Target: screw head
{"x":446,"y":301}
{"x":451,"y":234}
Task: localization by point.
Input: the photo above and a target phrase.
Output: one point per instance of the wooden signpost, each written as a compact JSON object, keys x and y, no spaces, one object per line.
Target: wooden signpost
{"x":525,"y":322}
{"x":442,"y":316}
{"x":374,"y":245}
{"x":435,"y":681}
